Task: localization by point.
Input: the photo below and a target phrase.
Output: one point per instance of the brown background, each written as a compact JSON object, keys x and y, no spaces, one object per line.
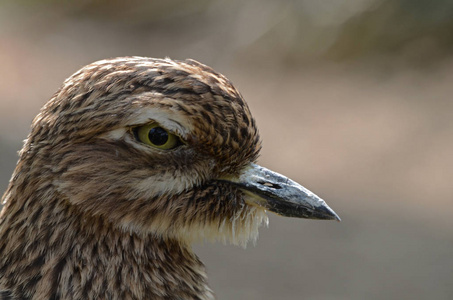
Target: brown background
{"x":352,"y":98}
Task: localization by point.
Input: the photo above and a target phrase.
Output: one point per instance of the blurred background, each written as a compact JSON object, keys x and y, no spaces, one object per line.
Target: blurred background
{"x":352,"y":98}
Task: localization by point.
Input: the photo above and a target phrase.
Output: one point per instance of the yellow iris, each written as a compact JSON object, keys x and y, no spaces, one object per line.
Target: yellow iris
{"x":156,"y":136}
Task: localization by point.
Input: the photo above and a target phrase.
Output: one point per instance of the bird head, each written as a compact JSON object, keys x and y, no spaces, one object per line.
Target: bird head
{"x":162,"y":147}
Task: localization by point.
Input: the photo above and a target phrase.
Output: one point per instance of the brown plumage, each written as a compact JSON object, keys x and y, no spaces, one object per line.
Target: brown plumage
{"x":128,"y":163}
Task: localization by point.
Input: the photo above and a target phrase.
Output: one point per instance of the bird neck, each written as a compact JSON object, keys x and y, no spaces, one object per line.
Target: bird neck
{"x":52,"y":250}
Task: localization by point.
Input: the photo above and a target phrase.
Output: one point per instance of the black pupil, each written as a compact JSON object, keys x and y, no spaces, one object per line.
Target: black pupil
{"x":158,"y":136}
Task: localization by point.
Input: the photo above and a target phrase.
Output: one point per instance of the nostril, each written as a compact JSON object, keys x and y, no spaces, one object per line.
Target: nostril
{"x":270,"y":184}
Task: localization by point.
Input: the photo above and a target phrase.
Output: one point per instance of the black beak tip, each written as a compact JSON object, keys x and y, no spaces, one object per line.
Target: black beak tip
{"x":291,"y":209}
{"x":337,"y":218}
{"x":328,"y":214}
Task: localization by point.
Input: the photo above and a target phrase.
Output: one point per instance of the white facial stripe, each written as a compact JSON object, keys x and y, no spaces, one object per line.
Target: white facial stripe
{"x":163,"y":184}
{"x":167,"y":118}
{"x":116,"y":134}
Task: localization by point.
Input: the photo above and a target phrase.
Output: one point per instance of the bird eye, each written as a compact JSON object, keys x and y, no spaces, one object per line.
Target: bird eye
{"x":157,"y":137}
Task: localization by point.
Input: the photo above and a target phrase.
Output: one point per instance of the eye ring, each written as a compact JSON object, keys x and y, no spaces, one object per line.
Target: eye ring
{"x":156,"y":136}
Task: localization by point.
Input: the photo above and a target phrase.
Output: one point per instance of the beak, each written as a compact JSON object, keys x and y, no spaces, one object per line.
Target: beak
{"x":281,"y":195}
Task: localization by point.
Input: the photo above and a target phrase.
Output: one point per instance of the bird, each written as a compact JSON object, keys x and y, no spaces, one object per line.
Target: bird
{"x":127,"y":165}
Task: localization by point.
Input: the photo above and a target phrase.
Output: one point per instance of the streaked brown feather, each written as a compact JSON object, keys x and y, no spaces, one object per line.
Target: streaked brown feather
{"x":90,"y":213}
